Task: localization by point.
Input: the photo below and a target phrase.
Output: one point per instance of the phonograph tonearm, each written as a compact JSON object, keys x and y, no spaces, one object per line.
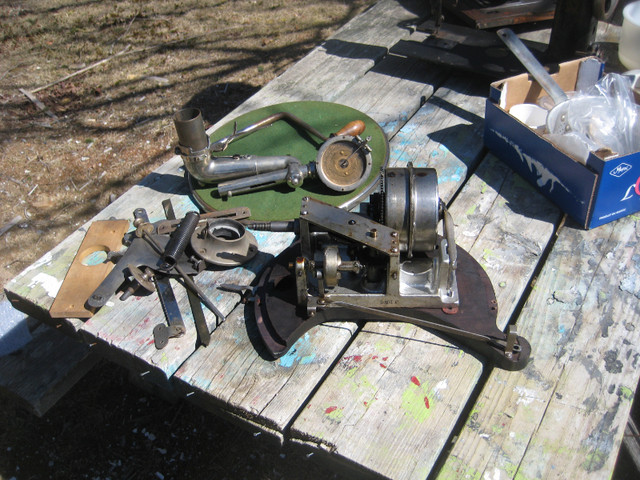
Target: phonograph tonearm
{"x":343,"y":161}
{"x":390,"y":265}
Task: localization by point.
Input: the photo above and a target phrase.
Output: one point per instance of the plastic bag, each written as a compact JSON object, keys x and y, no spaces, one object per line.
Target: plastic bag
{"x":605,"y":116}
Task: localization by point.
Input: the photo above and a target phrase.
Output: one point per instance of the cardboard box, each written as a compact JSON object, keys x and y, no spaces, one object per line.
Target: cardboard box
{"x":603,"y":190}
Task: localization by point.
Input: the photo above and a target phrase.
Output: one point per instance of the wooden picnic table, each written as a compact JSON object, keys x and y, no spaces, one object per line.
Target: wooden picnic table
{"x":391,"y":399}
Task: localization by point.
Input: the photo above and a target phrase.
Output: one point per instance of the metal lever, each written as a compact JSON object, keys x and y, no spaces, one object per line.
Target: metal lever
{"x":508,"y":346}
{"x":175,"y":326}
{"x":204,"y":336}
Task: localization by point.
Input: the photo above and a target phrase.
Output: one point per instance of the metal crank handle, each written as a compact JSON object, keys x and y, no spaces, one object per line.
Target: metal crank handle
{"x":352,"y":128}
{"x":223,"y":143}
{"x":293,"y":175}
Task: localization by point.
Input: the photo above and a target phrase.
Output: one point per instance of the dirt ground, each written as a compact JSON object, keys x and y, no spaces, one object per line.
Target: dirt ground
{"x":87,"y":94}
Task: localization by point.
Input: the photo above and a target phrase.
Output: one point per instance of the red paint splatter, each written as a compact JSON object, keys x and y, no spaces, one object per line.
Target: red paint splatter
{"x":366,"y":404}
{"x":426,"y":402}
{"x":415,"y":380}
{"x":383,"y":365}
{"x":385,"y":358}
{"x":330,"y":409}
{"x":355,"y":358}
{"x":374,"y":357}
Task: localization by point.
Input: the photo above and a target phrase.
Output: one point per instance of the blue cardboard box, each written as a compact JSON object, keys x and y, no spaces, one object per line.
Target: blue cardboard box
{"x":604,"y":189}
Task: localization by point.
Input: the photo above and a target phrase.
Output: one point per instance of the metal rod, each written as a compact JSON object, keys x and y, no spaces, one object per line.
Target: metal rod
{"x":456,"y":332}
{"x":533,"y":66}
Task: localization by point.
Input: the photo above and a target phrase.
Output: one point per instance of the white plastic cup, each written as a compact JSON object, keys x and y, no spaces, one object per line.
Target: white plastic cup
{"x":531,"y":115}
{"x":629,"y":47}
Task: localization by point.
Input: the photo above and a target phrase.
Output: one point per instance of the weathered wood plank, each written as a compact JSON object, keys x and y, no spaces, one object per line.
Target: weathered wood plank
{"x":45,"y":369}
{"x":425,"y":378}
{"x":564,"y":415}
{"x":445,"y":134}
{"x":236,"y":375}
{"x":403,"y":77}
{"x":340,"y":61}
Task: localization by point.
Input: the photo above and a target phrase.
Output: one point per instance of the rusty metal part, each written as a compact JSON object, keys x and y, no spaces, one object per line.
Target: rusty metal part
{"x":180,"y":239}
{"x":280,"y":321}
{"x":175,"y":326}
{"x":496,"y":13}
{"x":224,"y":242}
{"x":165,"y":227}
{"x":141,"y":280}
{"x":139,"y":253}
{"x":202,"y":329}
{"x":186,"y":278}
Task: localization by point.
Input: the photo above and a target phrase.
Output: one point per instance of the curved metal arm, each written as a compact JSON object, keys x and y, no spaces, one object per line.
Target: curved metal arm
{"x":216,"y":169}
{"x":223,"y":143}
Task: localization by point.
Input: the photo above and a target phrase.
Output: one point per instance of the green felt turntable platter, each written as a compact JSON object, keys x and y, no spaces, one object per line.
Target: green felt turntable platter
{"x":284,"y":138}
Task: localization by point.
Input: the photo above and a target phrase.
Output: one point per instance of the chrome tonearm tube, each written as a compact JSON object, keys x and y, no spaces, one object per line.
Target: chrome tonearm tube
{"x":343,"y":162}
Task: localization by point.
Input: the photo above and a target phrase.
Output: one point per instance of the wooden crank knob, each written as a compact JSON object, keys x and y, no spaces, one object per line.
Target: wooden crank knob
{"x":352,"y":128}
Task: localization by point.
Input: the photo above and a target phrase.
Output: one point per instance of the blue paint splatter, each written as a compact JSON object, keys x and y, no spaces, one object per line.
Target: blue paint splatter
{"x":308,"y":359}
{"x":289,"y":358}
{"x":301,"y":352}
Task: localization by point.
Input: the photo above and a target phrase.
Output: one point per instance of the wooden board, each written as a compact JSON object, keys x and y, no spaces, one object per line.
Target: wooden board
{"x":44,"y":370}
{"x":565,"y":412}
{"x":86,"y":273}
